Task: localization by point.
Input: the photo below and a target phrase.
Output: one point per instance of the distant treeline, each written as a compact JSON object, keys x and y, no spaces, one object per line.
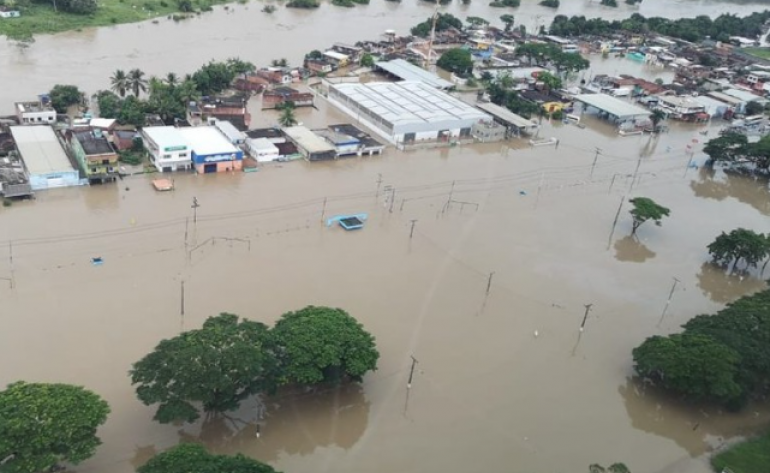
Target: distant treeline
{"x":688,"y":29}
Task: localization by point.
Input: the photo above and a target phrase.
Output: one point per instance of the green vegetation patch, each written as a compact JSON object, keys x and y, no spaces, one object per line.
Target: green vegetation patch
{"x":751,"y":456}
{"x":763,"y":53}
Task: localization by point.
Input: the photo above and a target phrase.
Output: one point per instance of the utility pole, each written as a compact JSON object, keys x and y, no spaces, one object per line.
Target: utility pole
{"x":539,"y":188}
{"x":181,"y":307}
{"x":449,"y":198}
{"x":593,"y":165}
{"x":489,"y":282}
{"x":670,"y":295}
{"x":379,"y":183}
{"x":10,"y":260}
{"x":323,"y":210}
{"x":411,"y":232}
{"x":432,"y":37}
{"x":411,"y":373}
{"x":195,"y":206}
{"x":585,"y":317}
{"x":392,"y":199}
{"x":636,"y":171}
{"x":615,"y":222}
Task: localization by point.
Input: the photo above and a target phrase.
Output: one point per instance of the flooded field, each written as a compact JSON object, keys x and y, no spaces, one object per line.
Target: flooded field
{"x":502,"y":380}
{"x":88,"y":58}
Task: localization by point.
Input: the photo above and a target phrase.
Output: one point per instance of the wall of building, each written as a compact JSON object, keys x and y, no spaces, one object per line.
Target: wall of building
{"x":93,"y":166}
{"x":177,"y":160}
{"x":37,"y":118}
{"x":224,"y":162}
{"x":222,"y":166}
{"x":51,"y":181}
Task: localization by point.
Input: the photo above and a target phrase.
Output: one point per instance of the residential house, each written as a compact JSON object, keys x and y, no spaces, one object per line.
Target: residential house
{"x":280,"y":95}
{"x":233,"y":109}
{"x":318,"y":66}
{"x":252,"y":83}
{"x":35,"y":113}
{"x":96,"y":157}
{"x":312,"y":146}
{"x":273,"y":135}
{"x":682,"y":108}
{"x":14,"y":180}
{"x":276,"y":75}
{"x":262,"y":149}
{"x":337,"y":59}
{"x":353,"y":52}
{"x":123,"y":138}
{"x":233,"y":135}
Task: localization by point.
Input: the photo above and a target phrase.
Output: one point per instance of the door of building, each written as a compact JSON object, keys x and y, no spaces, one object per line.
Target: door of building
{"x":209,"y":168}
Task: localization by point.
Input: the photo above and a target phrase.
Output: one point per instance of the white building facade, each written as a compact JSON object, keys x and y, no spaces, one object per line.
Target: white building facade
{"x":35,"y":113}
{"x":169,"y":150}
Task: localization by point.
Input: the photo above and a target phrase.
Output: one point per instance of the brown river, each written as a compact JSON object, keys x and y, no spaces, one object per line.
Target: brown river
{"x":505,"y":382}
{"x":504,"y":379}
{"x":88,"y":58}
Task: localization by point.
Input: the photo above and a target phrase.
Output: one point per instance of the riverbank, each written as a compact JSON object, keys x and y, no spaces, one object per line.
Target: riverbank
{"x":43,"y":19}
{"x":751,"y":456}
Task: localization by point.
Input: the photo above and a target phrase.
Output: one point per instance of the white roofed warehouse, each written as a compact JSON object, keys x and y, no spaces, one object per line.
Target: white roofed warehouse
{"x":44,"y":157}
{"x":407,"y":112}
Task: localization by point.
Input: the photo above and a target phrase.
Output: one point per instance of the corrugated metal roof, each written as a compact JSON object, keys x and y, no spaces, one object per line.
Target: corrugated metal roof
{"x":506,"y":115}
{"x":613,"y":106}
{"x":308,"y":140}
{"x":405,"y":103}
{"x":40,"y":149}
{"x":407,"y":71}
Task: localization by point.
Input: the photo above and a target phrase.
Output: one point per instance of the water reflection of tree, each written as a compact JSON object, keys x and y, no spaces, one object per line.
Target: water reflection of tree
{"x":654,"y":412}
{"x":296,"y":423}
{"x":695,"y":428}
{"x":720,"y":286}
{"x":632,"y":250}
{"x":716,"y":184}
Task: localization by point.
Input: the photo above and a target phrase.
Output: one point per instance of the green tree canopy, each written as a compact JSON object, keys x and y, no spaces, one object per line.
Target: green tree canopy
{"x":367,"y":60}
{"x":44,"y":424}
{"x":507,"y":20}
{"x":693,"y":365}
{"x":318,"y":344}
{"x":214,"y":77}
{"x":64,"y":96}
{"x":120,"y":83}
{"x":193,"y":458}
{"x":218,"y":366}
{"x":444,"y":21}
{"x":744,"y":326}
{"x":645,"y":209}
{"x":550,"y":3}
{"x":132,"y":111}
{"x":550,"y":81}
{"x":108,"y":103}
{"x":457,"y":60}
{"x":727,"y":148}
{"x":476,"y":21}
{"x":740,"y":245}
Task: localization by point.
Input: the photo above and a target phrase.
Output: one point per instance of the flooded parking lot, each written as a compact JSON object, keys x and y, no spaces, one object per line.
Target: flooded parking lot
{"x":504,"y":379}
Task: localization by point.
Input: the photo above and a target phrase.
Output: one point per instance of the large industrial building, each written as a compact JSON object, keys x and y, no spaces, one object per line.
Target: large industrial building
{"x":407,"y":112}
{"x":47,"y":163}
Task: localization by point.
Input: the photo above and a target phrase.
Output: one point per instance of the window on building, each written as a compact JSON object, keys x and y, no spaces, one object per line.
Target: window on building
{"x":105,"y":161}
{"x":166,"y":156}
{"x":93,"y":169}
{"x":40,"y":119}
{"x":182,"y":155}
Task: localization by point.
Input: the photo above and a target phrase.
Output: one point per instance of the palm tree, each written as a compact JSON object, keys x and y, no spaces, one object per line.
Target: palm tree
{"x":155,"y":85}
{"x":657,"y":117}
{"x":137,"y":81}
{"x":172,"y":79}
{"x":120,"y":83}
{"x":188,"y":92}
{"x":287,"y":118}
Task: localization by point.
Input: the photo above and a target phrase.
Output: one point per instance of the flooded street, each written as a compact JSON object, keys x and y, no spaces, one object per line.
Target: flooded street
{"x":504,"y":379}
{"x":88,"y":58}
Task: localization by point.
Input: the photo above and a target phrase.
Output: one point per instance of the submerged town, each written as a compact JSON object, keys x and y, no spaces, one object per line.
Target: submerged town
{"x":430,"y":215}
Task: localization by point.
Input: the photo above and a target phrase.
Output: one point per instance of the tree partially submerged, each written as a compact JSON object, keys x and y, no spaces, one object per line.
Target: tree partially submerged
{"x":65,"y":96}
{"x":321,"y":344}
{"x":645,"y":209}
{"x":458,"y":61}
{"x":734,"y":149}
{"x":740,"y":245}
{"x":42,"y":425}
{"x":193,"y":458}
{"x":216,"y":367}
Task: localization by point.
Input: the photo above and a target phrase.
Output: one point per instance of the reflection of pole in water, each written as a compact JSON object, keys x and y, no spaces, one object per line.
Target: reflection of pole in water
{"x":392,"y":199}
{"x":411,"y":231}
{"x":593,"y":165}
{"x":539,"y":188}
{"x":323,"y":209}
{"x":585,"y":316}
{"x":670,"y":295}
{"x":489,"y":282}
{"x":379,"y":183}
{"x":411,"y":373}
{"x":10,"y":261}
{"x":181,"y":308}
{"x":615,"y":222}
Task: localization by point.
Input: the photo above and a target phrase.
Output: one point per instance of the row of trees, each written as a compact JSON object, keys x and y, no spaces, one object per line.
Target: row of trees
{"x":212,"y":369}
{"x":734,"y":149}
{"x":167,"y":97}
{"x":229,"y":359}
{"x":546,"y":54}
{"x":689,"y":29}
{"x":722,"y":358}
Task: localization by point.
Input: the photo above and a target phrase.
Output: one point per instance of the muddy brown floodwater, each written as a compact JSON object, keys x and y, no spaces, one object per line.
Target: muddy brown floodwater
{"x":88,"y":58}
{"x":502,"y":380}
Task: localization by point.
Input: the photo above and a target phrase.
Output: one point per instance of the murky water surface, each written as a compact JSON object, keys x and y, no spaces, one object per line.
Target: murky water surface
{"x":88,"y":58}
{"x":488,"y":390}
{"x":502,"y":380}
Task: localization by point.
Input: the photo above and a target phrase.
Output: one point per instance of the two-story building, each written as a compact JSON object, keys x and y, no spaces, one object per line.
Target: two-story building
{"x":682,"y":108}
{"x":168,"y":148}
{"x":210,"y":151}
{"x":35,"y":113}
{"x":94,"y":154}
{"x":280,"y":95}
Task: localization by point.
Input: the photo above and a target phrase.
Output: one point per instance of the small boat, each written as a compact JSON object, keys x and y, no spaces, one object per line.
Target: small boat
{"x":348,"y":222}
